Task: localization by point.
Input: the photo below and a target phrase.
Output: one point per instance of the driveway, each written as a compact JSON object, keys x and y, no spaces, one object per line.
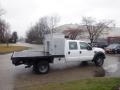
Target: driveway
{"x":19,"y":78}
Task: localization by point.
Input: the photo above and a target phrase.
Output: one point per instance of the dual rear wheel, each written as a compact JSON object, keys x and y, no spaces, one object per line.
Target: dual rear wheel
{"x":41,"y":68}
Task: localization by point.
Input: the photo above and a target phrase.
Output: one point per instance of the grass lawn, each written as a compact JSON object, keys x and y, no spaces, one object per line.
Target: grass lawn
{"x":4,"y":49}
{"x":87,"y":84}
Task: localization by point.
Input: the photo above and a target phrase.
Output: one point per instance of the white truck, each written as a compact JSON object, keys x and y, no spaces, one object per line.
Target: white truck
{"x":57,"y":46}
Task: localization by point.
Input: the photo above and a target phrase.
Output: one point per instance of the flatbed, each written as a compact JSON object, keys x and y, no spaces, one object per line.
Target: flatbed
{"x":25,"y":57}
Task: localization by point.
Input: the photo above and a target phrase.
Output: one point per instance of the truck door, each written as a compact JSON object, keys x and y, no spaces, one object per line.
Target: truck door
{"x":86,"y":52}
{"x":71,"y":50}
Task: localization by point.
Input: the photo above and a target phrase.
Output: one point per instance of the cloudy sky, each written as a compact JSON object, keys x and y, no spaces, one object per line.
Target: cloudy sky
{"x":21,"y":14}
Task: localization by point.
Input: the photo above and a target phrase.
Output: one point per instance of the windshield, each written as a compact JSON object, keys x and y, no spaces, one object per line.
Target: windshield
{"x":112,"y":46}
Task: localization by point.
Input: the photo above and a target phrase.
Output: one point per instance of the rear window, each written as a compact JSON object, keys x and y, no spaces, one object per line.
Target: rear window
{"x":73,"y":46}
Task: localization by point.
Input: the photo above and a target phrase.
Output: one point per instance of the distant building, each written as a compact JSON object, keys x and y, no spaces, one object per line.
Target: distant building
{"x":109,"y":32}
{"x":112,"y":35}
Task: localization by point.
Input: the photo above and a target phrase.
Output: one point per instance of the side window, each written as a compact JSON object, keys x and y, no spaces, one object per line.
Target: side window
{"x":73,"y":46}
{"x":84,"y":45}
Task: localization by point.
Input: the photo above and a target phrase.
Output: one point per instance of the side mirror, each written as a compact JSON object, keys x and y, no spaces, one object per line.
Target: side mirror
{"x":89,"y":48}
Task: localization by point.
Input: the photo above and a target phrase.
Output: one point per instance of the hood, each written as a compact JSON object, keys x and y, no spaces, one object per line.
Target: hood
{"x":98,"y":49}
{"x":110,"y":48}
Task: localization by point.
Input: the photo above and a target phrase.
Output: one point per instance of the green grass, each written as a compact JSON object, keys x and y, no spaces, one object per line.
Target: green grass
{"x":88,"y":84}
{"x":4,"y":49}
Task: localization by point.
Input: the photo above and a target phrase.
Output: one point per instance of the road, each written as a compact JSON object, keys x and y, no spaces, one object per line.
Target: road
{"x":19,"y":78}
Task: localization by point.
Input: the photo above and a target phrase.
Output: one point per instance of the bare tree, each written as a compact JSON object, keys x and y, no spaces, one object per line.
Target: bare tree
{"x":95,"y":28}
{"x":37,"y":32}
{"x":44,"y":26}
{"x":4,"y":29}
{"x":52,"y":22}
{"x":4,"y":32}
{"x":7,"y":34}
{"x":73,"y":33}
{"x":14,"y":37}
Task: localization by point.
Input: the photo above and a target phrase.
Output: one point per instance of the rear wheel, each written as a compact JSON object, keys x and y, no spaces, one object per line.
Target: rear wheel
{"x":41,"y":68}
{"x":99,"y":61}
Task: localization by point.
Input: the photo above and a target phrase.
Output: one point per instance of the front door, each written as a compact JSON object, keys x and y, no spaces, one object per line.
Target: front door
{"x":86,"y":51}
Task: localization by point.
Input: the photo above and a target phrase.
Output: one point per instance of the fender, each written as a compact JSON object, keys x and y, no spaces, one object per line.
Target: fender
{"x":101,"y":54}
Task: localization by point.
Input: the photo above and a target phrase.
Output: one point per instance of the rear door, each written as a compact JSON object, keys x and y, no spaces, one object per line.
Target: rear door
{"x":72,"y":50}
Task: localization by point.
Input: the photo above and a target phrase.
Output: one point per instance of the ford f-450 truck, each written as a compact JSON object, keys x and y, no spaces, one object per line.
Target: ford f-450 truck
{"x":57,"y":46}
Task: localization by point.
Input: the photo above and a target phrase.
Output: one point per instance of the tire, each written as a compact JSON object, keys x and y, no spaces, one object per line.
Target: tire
{"x":41,"y":68}
{"x":99,"y":61}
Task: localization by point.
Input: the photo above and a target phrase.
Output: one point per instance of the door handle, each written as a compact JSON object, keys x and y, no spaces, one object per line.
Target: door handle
{"x":69,"y":52}
{"x":80,"y":52}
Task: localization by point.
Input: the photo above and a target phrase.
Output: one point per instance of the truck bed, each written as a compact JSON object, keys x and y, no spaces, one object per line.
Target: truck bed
{"x":25,"y":57}
{"x":28,"y":56}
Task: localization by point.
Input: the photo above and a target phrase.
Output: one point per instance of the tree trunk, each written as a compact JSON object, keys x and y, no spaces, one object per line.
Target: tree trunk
{"x":7,"y":42}
{"x":91,"y":40}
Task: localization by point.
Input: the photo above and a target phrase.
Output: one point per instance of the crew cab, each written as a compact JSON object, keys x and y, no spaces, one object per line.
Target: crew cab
{"x":57,"y":46}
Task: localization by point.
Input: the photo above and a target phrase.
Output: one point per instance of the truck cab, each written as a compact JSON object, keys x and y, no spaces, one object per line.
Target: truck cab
{"x":76,"y":50}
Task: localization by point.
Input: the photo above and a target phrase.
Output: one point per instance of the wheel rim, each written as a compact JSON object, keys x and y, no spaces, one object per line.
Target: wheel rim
{"x":43,"y":68}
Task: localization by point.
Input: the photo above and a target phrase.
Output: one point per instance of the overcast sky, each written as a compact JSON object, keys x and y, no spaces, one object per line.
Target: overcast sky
{"x":21,"y":14}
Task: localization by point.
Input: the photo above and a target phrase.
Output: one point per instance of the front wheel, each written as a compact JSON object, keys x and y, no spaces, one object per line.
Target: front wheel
{"x":99,"y":61}
{"x":41,"y":68}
